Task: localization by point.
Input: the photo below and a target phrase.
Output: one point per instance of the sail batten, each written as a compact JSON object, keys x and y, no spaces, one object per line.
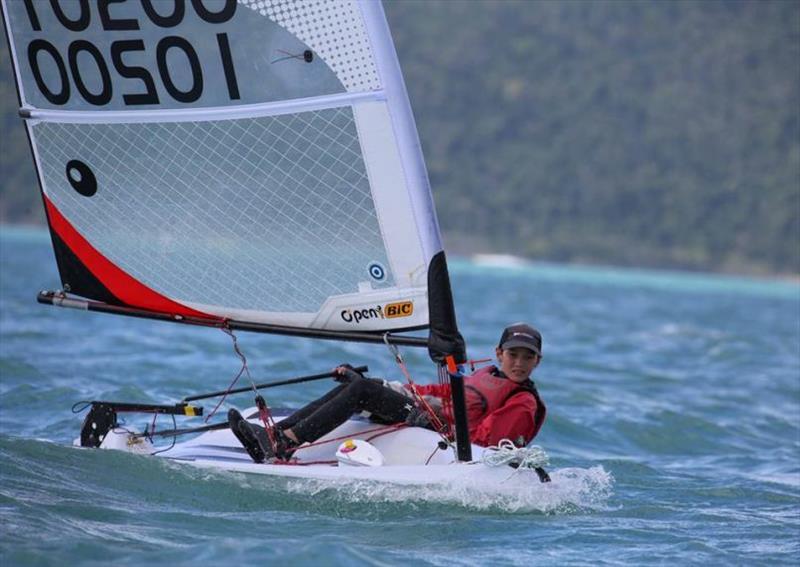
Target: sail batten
{"x":201,"y":114}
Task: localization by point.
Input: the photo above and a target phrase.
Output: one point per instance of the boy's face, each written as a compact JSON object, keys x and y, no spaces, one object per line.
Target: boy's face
{"x":517,"y":363}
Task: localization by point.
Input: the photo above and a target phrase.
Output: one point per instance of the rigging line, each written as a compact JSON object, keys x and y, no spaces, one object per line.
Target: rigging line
{"x":174,"y":437}
{"x":473,"y":362}
{"x":388,"y":429}
{"x":263,"y":409}
{"x":507,"y":453}
{"x":83,"y":405}
{"x":439,"y":427}
{"x":436,"y":450}
{"x":447,"y":401}
{"x":261,"y":403}
{"x":266,"y":419}
{"x":153,"y":425}
{"x":243,"y":370}
{"x":378,"y":431}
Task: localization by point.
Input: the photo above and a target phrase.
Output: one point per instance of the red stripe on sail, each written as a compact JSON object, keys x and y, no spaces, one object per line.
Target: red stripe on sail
{"x":122,"y":285}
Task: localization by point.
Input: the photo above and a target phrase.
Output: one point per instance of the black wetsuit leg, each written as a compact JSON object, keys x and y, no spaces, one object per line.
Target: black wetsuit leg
{"x":309,"y":408}
{"x":363,"y":394}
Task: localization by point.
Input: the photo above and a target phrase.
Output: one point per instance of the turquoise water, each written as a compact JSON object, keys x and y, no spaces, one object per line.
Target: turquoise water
{"x":673,"y":432}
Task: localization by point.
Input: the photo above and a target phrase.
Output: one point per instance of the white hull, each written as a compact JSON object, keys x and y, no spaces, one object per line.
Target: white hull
{"x":412,"y":456}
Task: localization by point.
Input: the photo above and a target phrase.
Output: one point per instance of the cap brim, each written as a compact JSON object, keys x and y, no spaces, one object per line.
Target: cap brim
{"x":514,"y":343}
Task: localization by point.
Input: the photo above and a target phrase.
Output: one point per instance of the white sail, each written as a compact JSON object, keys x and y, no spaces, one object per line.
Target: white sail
{"x":253,"y":160}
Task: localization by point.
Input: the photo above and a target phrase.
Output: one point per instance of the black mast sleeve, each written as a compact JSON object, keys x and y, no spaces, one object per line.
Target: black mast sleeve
{"x":444,"y":339}
{"x":463,"y":445}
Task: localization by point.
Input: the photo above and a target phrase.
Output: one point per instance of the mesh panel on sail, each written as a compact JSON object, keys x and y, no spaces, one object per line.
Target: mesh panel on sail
{"x":267,"y":214}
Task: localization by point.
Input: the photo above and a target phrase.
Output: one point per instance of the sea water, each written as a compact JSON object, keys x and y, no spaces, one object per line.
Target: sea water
{"x":673,"y":431}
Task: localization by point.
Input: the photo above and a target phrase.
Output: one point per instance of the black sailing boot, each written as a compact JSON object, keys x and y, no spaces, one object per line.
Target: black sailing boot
{"x":252,"y":437}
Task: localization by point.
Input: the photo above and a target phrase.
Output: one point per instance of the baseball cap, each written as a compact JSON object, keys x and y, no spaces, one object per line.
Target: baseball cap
{"x":521,"y":335}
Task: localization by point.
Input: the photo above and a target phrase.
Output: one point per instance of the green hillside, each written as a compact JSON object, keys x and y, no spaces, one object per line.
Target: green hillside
{"x":623,"y":132}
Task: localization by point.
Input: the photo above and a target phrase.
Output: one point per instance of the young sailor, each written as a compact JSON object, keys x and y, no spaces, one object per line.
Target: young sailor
{"x":502,"y":403}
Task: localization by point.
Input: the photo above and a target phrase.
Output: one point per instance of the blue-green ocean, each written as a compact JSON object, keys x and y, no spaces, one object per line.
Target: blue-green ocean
{"x":673,"y":431}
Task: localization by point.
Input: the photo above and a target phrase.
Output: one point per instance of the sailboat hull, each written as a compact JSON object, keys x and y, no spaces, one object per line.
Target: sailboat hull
{"x":411,"y":456}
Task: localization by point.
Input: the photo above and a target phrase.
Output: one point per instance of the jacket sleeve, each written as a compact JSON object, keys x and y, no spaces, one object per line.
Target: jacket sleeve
{"x":513,"y":420}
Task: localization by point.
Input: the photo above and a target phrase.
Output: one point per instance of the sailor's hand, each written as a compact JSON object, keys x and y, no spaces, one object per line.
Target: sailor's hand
{"x":345,"y":373}
{"x":418,"y":417}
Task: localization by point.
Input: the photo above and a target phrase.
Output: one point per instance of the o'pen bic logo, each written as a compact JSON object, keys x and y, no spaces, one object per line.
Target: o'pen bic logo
{"x":400,"y":309}
{"x":388,"y":311}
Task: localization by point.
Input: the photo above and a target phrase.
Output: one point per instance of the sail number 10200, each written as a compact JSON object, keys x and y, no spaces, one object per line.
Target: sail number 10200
{"x":59,"y":93}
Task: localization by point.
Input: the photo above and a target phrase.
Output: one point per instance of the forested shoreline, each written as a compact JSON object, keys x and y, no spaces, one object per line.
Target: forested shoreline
{"x":655,"y":134}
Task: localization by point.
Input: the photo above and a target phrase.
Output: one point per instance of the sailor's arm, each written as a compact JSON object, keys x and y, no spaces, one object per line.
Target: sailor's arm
{"x":438,"y":390}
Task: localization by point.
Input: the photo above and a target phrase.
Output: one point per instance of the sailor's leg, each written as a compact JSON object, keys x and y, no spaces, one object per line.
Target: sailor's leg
{"x":387,"y":405}
{"x":362,"y":394}
{"x":254,"y":437}
{"x":309,"y":408}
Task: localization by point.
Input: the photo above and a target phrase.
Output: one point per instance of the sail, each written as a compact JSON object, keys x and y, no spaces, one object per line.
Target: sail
{"x":250,"y":160}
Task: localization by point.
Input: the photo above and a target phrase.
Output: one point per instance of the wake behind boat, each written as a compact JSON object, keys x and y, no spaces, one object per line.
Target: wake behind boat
{"x":247,"y":166}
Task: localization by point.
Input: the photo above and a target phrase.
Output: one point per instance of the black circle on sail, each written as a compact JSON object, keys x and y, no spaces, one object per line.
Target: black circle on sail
{"x":81,"y":178}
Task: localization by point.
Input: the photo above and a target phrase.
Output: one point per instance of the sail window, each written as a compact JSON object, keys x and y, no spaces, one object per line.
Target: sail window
{"x":81,"y":178}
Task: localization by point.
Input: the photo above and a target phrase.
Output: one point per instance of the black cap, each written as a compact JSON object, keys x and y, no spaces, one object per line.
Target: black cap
{"x":521,"y":335}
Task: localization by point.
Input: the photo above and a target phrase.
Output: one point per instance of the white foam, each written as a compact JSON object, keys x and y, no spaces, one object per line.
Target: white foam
{"x":571,"y":489}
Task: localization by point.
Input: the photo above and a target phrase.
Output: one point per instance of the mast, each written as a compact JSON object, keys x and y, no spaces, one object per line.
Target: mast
{"x":446,"y":347}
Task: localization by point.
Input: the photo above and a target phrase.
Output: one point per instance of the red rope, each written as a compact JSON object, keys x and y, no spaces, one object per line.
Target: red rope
{"x":447,"y":401}
{"x":269,"y":423}
{"x":383,"y":430}
{"x":439,"y":427}
{"x":388,"y":429}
